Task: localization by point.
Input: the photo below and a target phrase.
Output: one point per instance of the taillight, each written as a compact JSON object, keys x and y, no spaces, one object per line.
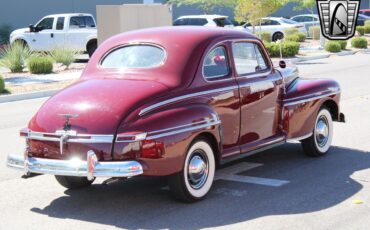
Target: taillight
{"x":24,"y":132}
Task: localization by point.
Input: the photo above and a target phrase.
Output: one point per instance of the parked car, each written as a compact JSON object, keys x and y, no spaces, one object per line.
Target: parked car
{"x":309,"y":20}
{"x":277,"y":27}
{"x":73,"y":31}
{"x":361,"y":19}
{"x":176,"y":102}
{"x":207,"y":20}
{"x":365,"y":12}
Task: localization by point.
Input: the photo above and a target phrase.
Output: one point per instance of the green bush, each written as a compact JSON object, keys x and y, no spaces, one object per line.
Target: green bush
{"x":291,"y":31}
{"x":359,"y":42}
{"x":361,"y":30}
{"x":367,"y":29}
{"x":15,"y":56}
{"x":265,"y":36}
{"x":343,"y":44}
{"x":64,"y":56}
{"x":333,"y":46}
{"x":2,"y":84}
{"x":5,"y":31}
{"x":40,"y":65}
{"x":315,"y":32}
{"x":297,"y":37}
{"x":288,"y":48}
{"x":367,"y":23}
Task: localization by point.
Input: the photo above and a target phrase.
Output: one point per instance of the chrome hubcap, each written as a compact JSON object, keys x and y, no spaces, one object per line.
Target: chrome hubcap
{"x":198,"y":170}
{"x":322,"y":131}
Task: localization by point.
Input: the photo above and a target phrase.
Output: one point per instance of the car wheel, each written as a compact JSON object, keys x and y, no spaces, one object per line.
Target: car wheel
{"x":195,"y":180}
{"x":319,"y":143}
{"x":73,"y":182}
{"x":91,"y":48}
{"x":277,"y":36}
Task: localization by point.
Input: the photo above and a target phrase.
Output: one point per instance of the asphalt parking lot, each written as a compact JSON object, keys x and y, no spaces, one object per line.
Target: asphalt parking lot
{"x":277,"y":189}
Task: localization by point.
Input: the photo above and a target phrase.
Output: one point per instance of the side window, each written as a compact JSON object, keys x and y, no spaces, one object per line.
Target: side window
{"x":180,"y":22}
{"x":298,"y":19}
{"x":274,"y":23}
{"x":76,"y":23}
{"x":248,"y":58}
{"x":60,"y":23}
{"x":46,"y":24}
{"x":216,"y":64}
{"x":89,"y":22}
{"x":197,"y":21}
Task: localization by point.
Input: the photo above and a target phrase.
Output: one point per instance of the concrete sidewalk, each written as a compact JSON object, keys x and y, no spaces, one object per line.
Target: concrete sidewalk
{"x":41,"y":79}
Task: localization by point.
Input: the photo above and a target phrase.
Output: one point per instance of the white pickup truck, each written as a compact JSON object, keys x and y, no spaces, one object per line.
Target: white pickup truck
{"x":72,"y":31}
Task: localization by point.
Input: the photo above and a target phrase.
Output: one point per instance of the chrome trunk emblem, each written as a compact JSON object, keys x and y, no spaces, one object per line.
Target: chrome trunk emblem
{"x":338,"y":18}
{"x":67,"y":117}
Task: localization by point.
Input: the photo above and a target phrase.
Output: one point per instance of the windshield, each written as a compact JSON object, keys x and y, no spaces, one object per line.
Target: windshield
{"x":134,"y":56}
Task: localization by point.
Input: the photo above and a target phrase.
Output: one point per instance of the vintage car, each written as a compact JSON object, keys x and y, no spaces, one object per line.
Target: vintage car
{"x":176,"y":102}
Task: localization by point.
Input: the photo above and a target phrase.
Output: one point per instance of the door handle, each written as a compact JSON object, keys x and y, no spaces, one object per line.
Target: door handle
{"x":52,"y":35}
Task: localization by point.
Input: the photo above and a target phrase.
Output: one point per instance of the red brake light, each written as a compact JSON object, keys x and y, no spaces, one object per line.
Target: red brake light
{"x":24,"y":132}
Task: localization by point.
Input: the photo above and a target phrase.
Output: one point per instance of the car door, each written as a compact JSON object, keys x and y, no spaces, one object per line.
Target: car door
{"x":41,"y":39}
{"x":260,"y":87}
{"x":58,"y":40}
{"x":79,"y":29}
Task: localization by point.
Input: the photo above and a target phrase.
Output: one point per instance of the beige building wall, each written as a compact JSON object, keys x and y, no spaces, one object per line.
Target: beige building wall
{"x":113,"y":20}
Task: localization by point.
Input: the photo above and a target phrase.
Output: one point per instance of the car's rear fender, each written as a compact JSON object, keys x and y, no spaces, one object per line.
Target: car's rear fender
{"x":167,"y":134}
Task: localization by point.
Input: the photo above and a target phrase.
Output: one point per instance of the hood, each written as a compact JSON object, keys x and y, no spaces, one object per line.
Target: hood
{"x":100,"y":104}
{"x":20,"y":31}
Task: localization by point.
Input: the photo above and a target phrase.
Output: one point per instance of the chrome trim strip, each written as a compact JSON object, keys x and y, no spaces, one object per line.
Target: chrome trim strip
{"x":207,"y":125}
{"x":77,"y":168}
{"x":77,"y":138}
{"x":182,"y":126}
{"x":152,"y":107}
{"x":308,"y":99}
{"x":301,"y":137}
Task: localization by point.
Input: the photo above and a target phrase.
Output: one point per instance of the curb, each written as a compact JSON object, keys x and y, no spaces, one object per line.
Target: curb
{"x":302,"y":59}
{"x":27,"y":96}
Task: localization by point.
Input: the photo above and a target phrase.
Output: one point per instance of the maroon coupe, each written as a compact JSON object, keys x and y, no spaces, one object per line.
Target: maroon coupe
{"x":176,"y":102}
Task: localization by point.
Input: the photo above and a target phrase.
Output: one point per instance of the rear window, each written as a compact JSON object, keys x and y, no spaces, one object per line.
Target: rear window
{"x":222,"y":22}
{"x":134,"y":56}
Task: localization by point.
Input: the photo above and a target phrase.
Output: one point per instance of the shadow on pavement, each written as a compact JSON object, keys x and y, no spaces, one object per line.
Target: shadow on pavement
{"x":315,"y":184}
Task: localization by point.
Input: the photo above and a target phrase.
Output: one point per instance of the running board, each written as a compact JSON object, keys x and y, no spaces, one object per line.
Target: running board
{"x":253,"y":152}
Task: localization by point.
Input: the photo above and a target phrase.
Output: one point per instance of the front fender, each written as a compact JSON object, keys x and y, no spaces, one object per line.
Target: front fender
{"x":169,"y":133}
{"x":302,"y":102}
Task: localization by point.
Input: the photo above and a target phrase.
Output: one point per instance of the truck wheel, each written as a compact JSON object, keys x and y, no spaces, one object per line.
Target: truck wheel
{"x":195,"y":180}
{"x":319,"y":143}
{"x":73,"y":182}
{"x":91,"y":48}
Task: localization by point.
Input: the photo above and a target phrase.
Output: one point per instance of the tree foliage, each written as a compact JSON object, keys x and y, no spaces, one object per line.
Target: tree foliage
{"x":207,"y":6}
{"x":252,"y":11}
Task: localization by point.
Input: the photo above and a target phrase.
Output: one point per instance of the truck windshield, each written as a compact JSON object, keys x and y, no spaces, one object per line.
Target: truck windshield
{"x":134,"y":56}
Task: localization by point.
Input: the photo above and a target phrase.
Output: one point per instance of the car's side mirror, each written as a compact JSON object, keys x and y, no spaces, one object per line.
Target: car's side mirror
{"x":32,"y":28}
{"x":282,"y":64}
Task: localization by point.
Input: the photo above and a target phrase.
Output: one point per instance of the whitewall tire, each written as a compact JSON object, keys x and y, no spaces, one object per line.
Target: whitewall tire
{"x":320,"y":141}
{"x":195,"y":180}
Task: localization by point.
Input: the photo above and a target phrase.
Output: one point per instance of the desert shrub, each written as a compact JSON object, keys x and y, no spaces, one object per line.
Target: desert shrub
{"x":360,"y":30}
{"x":64,"y":56}
{"x":297,"y":37}
{"x":315,"y":32}
{"x":367,"y":23}
{"x":265,"y":36}
{"x":5,"y":31}
{"x":15,"y":56}
{"x":343,"y":44}
{"x":2,"y":84}
{"x":288,"y":48}
{"x":359,"y":42}
{"x":291,"y":31}
{"x":40,"y":65}
{"x":333,"y":46}
{"x":367,"y":29}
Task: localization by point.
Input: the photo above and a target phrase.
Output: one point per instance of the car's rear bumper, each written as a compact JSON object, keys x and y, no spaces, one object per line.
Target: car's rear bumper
{"x":90,"y":168}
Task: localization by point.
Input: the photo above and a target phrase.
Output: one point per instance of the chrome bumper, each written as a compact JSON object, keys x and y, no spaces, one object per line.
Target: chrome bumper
{"x":75,"y":167}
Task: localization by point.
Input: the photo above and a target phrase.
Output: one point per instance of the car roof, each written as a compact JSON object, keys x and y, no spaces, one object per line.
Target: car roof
{"x":206,"y":16}
{"x":306,"y":15}
{"x":184,"y":46}
{"x":68,"y":14}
